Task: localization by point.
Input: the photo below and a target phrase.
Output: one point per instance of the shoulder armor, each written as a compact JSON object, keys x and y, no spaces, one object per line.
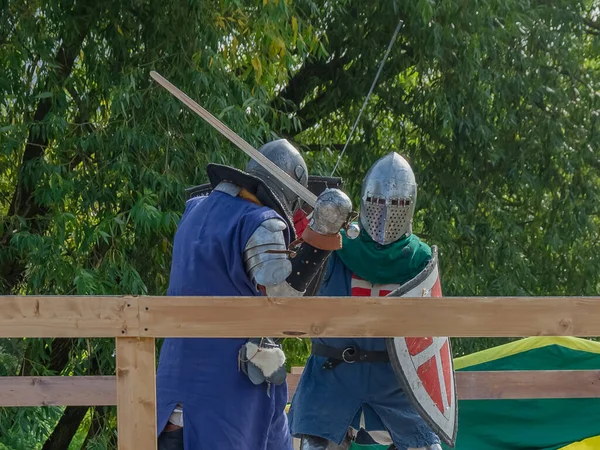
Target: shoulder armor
{"x":265,"y":259}
{"x":228,"y":188}
{"x":274,"y":225}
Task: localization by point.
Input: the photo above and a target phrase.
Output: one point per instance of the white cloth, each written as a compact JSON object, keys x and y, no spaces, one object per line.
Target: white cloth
{"x":384,"y":438}
{"x":177,"y":416}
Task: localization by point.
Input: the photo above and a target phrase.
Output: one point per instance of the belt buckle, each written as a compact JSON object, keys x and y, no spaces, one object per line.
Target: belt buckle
{"x":348,"y":350}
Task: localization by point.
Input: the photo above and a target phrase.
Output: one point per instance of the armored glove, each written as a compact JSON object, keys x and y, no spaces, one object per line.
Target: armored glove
{"x":266,"y":255}
{"x":321,"y":237}
{"x":331,"y":213}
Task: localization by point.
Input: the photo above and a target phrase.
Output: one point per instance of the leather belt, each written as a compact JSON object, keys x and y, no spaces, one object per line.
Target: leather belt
{"x":349,"y":355}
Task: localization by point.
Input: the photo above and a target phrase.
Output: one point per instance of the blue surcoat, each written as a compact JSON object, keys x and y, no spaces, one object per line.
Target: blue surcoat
{"x":222,"y":409}
{"x":327,"y":402}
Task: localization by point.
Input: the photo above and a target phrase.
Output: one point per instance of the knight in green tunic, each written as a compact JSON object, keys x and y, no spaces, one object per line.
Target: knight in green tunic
{"x":349,"y":397}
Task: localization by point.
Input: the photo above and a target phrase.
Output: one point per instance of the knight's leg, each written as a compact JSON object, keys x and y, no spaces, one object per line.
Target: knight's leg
{"x":365,"y":437}
{"x":171,"y":440}
{"x":317,"y":443}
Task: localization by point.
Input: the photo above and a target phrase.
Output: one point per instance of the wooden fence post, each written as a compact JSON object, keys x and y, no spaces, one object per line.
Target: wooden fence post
{"x":136,"y":393}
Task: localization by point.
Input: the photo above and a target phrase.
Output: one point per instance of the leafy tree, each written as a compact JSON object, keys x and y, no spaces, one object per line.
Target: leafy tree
{"x":495,"y":103}
{"x":95,"y":158}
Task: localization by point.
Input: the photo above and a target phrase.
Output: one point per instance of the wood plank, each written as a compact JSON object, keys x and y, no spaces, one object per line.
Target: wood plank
{"x":506,"y":385}
{"x":369,"y":316}
{"x":68,"y":316}
{"x":136,"y":393}
{"x":58,"y":391}
{"x":64,"y":316}
{"x":101,"y":390}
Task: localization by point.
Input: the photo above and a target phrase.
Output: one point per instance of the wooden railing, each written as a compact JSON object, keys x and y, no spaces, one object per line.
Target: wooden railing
{"x":135,"y":322}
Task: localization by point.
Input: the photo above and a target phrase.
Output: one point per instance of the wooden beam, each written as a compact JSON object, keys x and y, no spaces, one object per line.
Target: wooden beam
{"x":369,"y":316}
{"x":102,"y":390}
{"x":58,"y":391}
{"x":513,"y":384}
{"x":136,"y":393}
{"x":68,"y":316}
{"x":35,"y":316}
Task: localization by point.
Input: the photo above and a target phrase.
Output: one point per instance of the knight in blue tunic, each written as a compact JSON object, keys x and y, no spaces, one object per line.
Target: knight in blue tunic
{"x":349,"y":397}
{"x":215,"y":394}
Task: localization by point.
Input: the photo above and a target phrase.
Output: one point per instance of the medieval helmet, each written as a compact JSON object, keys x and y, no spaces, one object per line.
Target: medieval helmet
{"x":388,"y":197}
{"x":288,"y":159}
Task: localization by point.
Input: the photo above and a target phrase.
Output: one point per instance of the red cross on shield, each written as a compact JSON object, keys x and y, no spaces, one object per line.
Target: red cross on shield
{"x":424,"y":365}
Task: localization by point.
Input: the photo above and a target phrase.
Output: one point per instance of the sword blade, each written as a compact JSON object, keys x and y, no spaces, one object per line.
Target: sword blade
{"x":283,"y":177}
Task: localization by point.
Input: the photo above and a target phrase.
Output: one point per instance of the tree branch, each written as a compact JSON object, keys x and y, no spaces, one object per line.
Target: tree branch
{"x":325,"y":147}
{"x":23,"y":203}
{"x":591,"y":23}
{"x":335,"y":81}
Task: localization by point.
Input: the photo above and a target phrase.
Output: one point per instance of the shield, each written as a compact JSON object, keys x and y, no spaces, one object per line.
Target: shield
{"x":424,"y":365}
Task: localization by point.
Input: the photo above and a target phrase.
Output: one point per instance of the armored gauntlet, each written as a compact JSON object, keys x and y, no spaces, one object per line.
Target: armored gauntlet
{"x":266,"y":257}
{"x":320,"y":238}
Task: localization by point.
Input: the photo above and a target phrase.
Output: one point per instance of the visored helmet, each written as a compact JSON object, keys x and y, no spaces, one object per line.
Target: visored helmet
{"x":388,"y":197}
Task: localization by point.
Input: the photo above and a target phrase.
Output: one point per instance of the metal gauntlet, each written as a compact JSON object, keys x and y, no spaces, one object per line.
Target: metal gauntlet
{"x":321,"y":237}
{"x":331,"y":213}
{"x":268,"y":265}
{"x":266,"y":257}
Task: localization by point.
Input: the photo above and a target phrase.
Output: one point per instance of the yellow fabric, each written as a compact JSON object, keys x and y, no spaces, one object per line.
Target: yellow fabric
{"x":592,"y":443}
{"x":523,"y":345}
{"x":247,"y":195}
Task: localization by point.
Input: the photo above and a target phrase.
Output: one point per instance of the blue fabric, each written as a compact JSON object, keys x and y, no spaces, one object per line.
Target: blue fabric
{"x":327,"y":402}
{"x":222,"y":409}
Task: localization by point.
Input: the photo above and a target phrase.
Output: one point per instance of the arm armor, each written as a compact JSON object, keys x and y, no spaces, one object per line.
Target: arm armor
{"x":268,"y":265}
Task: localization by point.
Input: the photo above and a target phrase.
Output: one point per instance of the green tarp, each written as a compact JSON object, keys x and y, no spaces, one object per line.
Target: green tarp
{"x":544,"y":424}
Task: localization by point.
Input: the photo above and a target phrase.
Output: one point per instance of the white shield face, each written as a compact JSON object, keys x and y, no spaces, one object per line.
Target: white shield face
{"x":424,"y":366}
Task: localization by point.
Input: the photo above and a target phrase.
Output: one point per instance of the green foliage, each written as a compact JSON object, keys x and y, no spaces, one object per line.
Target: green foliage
{"x":496,"y":107}
{"x":495,"y":103}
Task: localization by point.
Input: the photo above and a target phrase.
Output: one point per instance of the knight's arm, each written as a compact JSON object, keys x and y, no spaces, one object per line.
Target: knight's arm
{"x":268,"y":266}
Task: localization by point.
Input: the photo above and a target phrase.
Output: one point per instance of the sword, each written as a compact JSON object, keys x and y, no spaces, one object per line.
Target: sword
{"x":283,"y":177}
